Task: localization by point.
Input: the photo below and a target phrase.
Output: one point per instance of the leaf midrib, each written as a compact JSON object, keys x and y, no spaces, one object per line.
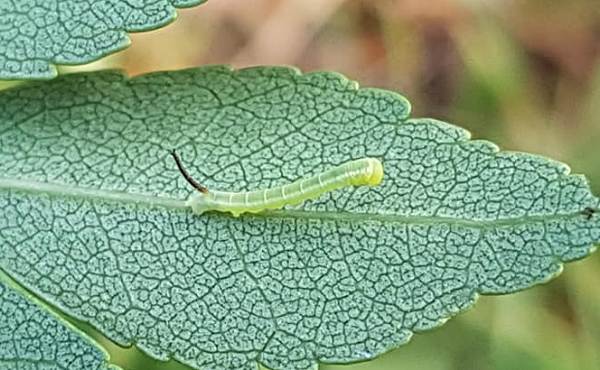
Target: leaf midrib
{"x":152,"y":201}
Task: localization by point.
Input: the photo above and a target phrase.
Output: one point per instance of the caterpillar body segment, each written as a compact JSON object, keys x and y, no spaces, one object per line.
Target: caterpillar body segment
{"x":360,"y":172}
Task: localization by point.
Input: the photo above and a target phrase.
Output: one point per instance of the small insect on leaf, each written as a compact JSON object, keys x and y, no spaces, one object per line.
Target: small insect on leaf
{"x":589,"y":212}
{"x":359,"y":172}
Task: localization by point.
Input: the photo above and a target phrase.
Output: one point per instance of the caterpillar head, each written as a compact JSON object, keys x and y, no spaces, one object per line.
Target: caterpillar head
{"x":375,"y":172}
{"x":370,"y":172}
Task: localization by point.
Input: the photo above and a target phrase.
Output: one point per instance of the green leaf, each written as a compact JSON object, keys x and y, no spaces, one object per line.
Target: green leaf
{"x":94,"y":221}
{"x":33,"y":338}
{"x":37,"y":34}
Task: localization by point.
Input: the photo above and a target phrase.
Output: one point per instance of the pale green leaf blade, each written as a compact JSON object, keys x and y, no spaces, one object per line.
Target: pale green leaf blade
{"x":33,"y":338}
{"x":94,"y":222}
{"x":35,"y":35}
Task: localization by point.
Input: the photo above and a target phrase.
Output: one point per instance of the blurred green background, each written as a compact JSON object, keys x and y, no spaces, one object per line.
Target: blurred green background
{"x":523,"y":73}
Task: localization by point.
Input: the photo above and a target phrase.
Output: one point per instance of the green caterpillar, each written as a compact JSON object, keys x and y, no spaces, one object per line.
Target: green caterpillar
{"x":365,"y":171}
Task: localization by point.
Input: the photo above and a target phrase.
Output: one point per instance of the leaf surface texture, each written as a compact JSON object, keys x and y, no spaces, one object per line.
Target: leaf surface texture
{"x":37,"y":34}
{"x":32,"y":338}
{"x":93,"y":217}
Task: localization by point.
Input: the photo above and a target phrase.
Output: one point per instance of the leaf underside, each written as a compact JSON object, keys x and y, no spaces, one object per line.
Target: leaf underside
{"x":37,"y":34}
{"x":31,"y":338}
{"x":93,"y":218}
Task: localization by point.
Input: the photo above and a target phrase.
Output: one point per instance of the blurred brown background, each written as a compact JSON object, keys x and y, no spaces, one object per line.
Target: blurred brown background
{"x":524,"y":74}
